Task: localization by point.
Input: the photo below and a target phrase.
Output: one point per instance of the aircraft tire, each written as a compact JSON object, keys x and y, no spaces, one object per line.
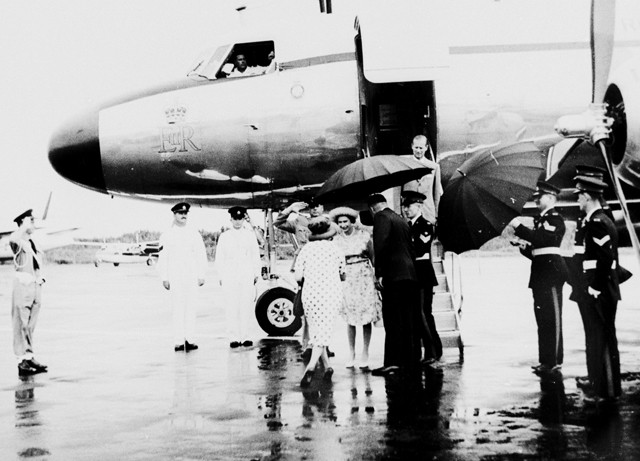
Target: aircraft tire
{"x":150,"y":261}
{"x":274,"y":312}
{"x":116,"y":264}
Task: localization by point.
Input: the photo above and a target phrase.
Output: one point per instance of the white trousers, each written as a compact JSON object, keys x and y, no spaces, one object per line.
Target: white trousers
{"x":239,"y":297}
{"x":25,"y":307}
{"x":183,"y":295}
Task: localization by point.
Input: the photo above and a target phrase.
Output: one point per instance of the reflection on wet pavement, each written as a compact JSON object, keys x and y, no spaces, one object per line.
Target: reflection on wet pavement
{"x":136,"y":399}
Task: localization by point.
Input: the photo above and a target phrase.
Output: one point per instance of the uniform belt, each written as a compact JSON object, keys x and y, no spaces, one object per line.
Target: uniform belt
{"x":591,"y":264}
{"x":578,"y":249}
{"x":545,"y":251}
{"x":424,"y":257}
{"x":356,"y":259}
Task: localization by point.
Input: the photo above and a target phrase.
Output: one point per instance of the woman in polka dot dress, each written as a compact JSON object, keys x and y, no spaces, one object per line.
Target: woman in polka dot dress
{"x":321,"y":265}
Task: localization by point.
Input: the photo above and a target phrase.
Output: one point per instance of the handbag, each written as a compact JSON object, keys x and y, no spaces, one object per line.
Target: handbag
{"x":298,"y":311}
{"x":623,"y":274}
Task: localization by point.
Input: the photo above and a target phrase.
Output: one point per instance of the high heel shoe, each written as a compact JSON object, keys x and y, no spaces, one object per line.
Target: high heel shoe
{"x":306,"y":379}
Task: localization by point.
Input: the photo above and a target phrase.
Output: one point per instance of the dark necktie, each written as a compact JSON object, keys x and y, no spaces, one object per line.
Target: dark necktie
{"x":36,"y":266}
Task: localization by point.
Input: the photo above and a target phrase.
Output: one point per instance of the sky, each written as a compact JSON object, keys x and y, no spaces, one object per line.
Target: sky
{"x":60,"y":57}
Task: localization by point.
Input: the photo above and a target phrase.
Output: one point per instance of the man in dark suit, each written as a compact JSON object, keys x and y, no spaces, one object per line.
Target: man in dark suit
{"x":548,"y":274}
{"x":422,"y":233}
{"x":396,"y":279}
{"x":601,"y":280}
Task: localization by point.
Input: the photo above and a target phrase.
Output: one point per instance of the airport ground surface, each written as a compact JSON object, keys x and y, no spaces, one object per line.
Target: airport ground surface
{"x":116,"y":389}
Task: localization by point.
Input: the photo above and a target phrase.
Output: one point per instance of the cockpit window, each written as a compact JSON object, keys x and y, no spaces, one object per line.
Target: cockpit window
{"x":209,"y":62}
{"x":236,"y":60}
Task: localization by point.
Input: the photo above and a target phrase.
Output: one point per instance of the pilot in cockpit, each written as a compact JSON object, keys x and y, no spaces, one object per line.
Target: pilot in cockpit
{"x":242,"y":69}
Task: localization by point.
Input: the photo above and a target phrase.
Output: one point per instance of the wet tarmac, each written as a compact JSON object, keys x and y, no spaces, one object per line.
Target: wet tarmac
{"x":116,"y":389}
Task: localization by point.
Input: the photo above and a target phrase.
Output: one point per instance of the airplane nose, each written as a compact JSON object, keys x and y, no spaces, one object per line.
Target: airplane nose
{"x":74,"y":152}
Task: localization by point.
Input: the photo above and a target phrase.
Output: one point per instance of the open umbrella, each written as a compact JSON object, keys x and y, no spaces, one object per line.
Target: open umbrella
{"x":370,"y":175}
{"x":485,"y":193}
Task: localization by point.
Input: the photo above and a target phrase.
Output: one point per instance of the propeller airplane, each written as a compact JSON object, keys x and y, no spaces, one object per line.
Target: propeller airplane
{"x":292,"y":93}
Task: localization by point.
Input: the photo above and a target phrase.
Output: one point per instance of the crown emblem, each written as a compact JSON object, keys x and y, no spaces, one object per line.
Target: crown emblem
{"x":175,"y":113}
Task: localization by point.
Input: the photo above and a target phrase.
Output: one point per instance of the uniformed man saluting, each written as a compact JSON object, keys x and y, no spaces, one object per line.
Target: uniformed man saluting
{"x":25,"y":305}
{"x":548,"y":274}
{"x":601,"y":280}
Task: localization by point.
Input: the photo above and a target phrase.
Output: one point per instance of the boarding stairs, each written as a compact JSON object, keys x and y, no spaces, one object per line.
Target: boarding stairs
{"x":447,"y":297}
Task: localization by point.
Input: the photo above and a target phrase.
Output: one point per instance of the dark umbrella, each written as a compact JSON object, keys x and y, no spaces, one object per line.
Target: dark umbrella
{"x":485,"y":193}
{"x":370,"y":175}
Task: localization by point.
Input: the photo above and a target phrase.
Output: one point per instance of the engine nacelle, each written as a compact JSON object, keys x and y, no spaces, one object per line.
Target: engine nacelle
{"x":623,"y":98}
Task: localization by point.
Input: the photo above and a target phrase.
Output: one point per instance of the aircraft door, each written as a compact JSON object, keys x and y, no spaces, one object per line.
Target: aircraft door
{"x":392,"y":113}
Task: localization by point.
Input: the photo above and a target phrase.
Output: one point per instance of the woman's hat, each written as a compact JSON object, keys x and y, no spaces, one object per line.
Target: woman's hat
{"x":321,"y":228}
{"x":343,"y":211}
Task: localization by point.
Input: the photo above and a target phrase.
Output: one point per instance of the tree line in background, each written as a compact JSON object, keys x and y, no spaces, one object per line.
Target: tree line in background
{"x":85,"y":254}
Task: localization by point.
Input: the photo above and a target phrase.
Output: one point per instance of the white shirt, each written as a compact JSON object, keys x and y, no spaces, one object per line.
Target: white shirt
{"x":237,"y":255}
{"x":183,"y":255}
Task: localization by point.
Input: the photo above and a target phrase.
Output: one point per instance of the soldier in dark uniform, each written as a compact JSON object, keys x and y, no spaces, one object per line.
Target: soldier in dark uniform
{"x":579,"y":292}
{"x":548,"y":274}
{"x":422,"y":233}
{"x":601,"y":280}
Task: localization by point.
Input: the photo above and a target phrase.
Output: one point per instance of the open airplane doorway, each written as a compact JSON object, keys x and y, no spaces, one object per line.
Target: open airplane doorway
{"x":392,"y":113}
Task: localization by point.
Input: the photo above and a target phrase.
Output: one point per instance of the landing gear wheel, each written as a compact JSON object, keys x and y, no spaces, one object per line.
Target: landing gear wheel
{"x":274,"y":312}
{"x":116,"y":264}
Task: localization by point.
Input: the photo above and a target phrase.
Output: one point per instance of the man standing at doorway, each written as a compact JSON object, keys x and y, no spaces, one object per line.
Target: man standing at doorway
{"x":182,"y":264}
{"x":430,"y":185}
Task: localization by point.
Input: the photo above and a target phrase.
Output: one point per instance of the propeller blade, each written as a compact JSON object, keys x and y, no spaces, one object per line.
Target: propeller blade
{"x":603,"y":18}
{"x":622,"y":199}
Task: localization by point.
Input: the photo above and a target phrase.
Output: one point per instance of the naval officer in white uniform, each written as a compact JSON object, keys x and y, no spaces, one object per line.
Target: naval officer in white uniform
{"x":182,"y":264}
{"x":238,"y":266}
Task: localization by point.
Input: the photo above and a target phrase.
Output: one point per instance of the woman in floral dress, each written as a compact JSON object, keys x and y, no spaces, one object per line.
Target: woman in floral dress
{"x":362,"y":303}
{"x":321,"y":266}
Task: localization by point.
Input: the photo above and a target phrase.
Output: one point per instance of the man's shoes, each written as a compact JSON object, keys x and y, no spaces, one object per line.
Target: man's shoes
{"x":25,"y":369}
{"x":234,"y":344}
{"x":306,"y":354}
{"x":190,"y":347}
{"x":328,"y":373}
{"x":247,"y":343}
{"x":37,"y":365}
{"x":330,"y":353}
{"x":385,"y":371}
{"x":179,"y":348}
{"x":306,"y":379}
{"x":350,"y":364}
{"x":583,"y":382}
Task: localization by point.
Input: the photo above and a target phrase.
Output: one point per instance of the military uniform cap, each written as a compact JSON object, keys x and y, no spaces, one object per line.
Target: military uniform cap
{"x":589,"y":184}
{"x":544,"y":187}
{"x":18,"y":219}
{"x":237,"y":212}
{"x":181,"y":207}
{"x":411,"y":196}
{"x":590,"y":170}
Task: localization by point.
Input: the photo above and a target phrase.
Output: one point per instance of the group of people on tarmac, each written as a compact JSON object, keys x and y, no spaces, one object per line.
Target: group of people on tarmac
{"x":593,"y":273}
{"x":345,"y":270}
{"x":182,"y":264}
{"x":385,"y":274}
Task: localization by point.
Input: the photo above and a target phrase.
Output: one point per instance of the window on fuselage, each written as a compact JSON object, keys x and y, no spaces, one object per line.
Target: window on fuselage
{"x":220,"y":62}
